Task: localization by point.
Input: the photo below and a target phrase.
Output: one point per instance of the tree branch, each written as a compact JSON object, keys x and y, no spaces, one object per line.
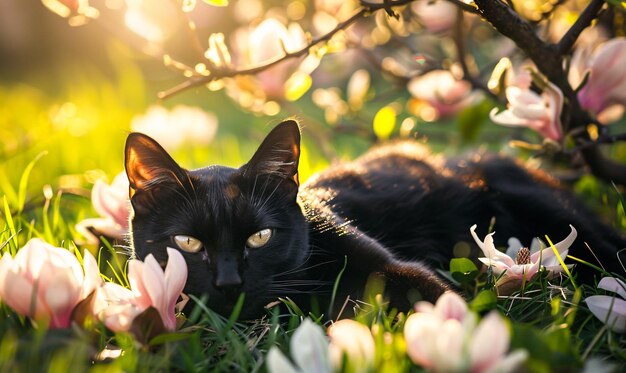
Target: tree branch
{"x":216,"y":74}
{"x":583,"y":21}
{"x":458,"y":36}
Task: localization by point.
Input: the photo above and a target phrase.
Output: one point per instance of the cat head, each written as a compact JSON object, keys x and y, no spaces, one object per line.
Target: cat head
{"x":239,"y":229}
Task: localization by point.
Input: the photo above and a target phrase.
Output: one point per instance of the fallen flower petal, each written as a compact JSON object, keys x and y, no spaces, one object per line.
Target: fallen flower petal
{"x":609,"y":310}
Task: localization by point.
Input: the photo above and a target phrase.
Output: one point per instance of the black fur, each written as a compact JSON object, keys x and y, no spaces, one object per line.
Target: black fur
{"x":395,"y":213}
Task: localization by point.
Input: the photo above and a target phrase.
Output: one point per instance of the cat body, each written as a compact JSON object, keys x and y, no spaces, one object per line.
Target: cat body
{"x":395,"y":213}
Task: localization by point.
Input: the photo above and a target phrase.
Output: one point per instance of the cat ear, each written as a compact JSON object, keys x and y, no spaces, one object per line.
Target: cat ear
{"x":149,"y":166}
{"x":278,"y":154}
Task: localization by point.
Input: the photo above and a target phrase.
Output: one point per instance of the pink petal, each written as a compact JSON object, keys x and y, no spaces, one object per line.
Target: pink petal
{"x":175,"y":275}
{"x":17,"y":292}
{"x":93,"y":279}
{"x":489,"y":343}
{"x":451,"y":306}
{"x":450,"y":339}
{"x":613,"y":284}
{"x":61,"y":297}
{"x":420,"y":331}
{"x":175,"y":279}
{"x":135,"y":278}
{"x":112,"y":201}
{"x":609,"y":310}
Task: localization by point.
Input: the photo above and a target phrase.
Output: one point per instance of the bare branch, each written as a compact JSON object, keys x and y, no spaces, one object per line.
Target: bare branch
{"x":458,"y":35}
{"x":583,"y":21}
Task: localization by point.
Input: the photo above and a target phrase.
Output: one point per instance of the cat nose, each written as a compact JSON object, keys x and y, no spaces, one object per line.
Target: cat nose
{"x":227,"y":274}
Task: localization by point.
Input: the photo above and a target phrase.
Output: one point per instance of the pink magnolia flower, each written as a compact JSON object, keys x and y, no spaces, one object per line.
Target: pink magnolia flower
{"x":153,"y":287}
{"x":353,"y":339}
{"x":442,"y":91}
{"x":268,"y":41}
{"x":112,"y":204}
{"x":611,"y":310}
{"x":42,"y":282}
{"x":541,"y":113}
{"x":606,"y":85}
{"x":446,"y":337}
{"x":116,"y":307}
{"x":525,"y":265}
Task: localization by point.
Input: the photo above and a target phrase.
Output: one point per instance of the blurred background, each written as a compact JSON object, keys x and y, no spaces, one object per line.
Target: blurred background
{"x":76,"y":76}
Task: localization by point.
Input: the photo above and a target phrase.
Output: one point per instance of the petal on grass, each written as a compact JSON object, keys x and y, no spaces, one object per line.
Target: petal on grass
{"x":613,"y":284}
{"x":609,"y":310}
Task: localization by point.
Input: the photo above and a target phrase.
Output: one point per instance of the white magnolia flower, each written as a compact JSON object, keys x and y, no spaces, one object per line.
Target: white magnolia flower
{"x":525,"y":264}
{"x":611,"y":310}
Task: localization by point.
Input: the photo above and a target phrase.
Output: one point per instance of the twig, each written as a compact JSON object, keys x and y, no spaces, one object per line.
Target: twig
{"x":585,"y":19}
{"x":216,"y":74}
{"x":458,"y":35}
{"x":191,"y":35}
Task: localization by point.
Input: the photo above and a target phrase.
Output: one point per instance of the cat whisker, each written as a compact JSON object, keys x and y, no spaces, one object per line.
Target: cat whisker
{"x":299,"y":269}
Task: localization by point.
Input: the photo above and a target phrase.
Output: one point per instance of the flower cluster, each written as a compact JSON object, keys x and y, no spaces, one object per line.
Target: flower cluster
{"x":444,"y":337}
{"x":47,"y":284}
{"x":313,"y":352}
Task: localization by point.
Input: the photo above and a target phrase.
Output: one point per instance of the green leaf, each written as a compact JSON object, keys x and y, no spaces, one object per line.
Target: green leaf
{"x":471,"y":119}
{"x":384,"y":122}
{"x":486,"y":300}
{"x":21,"y":191}
{"x":12,"y":232}
{"x":216,"y":2}
{"x":463,"y":270}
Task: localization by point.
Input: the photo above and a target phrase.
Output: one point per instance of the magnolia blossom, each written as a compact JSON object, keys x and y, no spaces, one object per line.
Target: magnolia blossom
{"x":42,"y":282}
{"x":446,"y":337}
{"x":183,"y":125}
{"x":606,"y":84}
{"x":525,"y":265}
{"x":355,"y":341}
{"x":153,"y":287}
{"x":541,"y":113}
{"x":309,"y":348}
{"x":266,"y":42}
{"x":611,"y":310}
{"x":435,"y":16}
{"x":111,"y":203}
{"x":117,"y":306}
{"x":442,"y":91}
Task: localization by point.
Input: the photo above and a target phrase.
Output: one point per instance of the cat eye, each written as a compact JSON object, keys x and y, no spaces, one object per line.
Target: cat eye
{"x":259,"y":239}
{"x":188,"y":243}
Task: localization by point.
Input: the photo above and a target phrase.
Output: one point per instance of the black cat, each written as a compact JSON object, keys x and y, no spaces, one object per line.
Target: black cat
{"x":395,"y":212}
